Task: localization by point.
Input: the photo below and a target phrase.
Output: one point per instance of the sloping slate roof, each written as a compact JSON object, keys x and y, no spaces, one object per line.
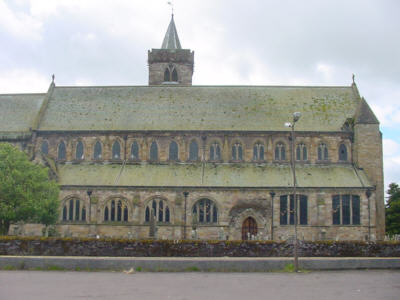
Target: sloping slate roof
{"x":18,"y":113}
{"x":364,"y":114}
{"x":236,"y":108}
{"x":221,"y":175}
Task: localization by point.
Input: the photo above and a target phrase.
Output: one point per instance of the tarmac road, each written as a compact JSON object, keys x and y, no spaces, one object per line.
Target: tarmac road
{"x":354,"y":285}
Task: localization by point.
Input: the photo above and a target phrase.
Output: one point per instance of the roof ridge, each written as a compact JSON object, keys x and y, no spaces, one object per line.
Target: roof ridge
{"x":201,"y":86}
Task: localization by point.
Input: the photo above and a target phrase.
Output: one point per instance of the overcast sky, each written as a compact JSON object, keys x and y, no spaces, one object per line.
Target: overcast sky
{"x":252,"y":42}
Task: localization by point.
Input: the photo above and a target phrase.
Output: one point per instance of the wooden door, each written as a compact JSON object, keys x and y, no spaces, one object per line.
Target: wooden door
{"x":249,"y":228}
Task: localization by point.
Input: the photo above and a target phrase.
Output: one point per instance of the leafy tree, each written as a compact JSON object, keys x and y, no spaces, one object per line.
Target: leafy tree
{"x":393,"y":210}
{"x":26,"y":192}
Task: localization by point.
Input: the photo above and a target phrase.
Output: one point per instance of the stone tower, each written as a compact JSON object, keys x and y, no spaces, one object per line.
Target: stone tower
{"x":171,"y":64}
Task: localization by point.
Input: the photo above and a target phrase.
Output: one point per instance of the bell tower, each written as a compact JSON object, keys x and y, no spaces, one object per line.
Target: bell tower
{"x":170,"y":65}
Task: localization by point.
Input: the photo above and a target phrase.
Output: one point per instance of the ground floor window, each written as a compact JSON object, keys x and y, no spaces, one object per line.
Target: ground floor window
{"x":346,"y":210}
{"x":287,"y":210}
{"x":73,"y":210}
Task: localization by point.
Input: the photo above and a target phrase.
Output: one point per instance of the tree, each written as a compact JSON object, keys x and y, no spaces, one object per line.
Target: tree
{"x":393,"y":210}
{"x":26,"y":192}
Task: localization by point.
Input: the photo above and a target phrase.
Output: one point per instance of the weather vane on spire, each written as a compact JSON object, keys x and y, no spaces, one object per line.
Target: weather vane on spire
{"x":171,"y":3}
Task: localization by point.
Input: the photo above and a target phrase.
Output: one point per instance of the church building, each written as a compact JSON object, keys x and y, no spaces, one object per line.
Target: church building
{"x":171,"y":160}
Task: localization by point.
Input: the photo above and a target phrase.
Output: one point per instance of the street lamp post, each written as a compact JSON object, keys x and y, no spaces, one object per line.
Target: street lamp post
{"x":296,"y":117}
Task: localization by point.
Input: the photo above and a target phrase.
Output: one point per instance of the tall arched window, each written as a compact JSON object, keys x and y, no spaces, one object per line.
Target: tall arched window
{"x":258,"y":152}
{"x":301,"y":152}
{"x":116,"y":150}
{"x":62,"y":151}
{"x":73,"y":210}
{"x":153,"y":151}
{"x":173,"y":151}
{"x":116,"y":210}
{"x":193,"y":151}
{"x":237,"y":152}
{"x":79,"y":151}
{"x":45,"y":147}
{"x":280,"y":152}
{"x":205,"y":211}
{"x":160,"y":210}
{"x":174,"y":76}
{"x":135,"y":151}
{"x":322,"y":152}
{"x":97,"y":150}
{"x":342,"y":152}
{"x":167,"y":75}
{"x":215,"y":152}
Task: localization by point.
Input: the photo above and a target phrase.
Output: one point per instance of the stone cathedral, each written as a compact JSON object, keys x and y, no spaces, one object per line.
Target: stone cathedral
{"x":171,"y":160}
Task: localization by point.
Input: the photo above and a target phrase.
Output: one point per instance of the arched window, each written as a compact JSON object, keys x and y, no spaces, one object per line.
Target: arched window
{"x":62,"y":151}
{"x":346,"y":210}
{"x":205,"y":211}
{"x":116,"y":210}
{"x":193,"y":151}
{"x":45,"y":147}
{"x":280,"y":153}
{"x":167,"y":75}
{"x":301,"y":152}
{"x":135,"y":151}
{"x":160,"y":210}
{"x":153,"y":151}
{"x":287,"y":210}
{"x":116,"y":150}
{"x":174,"y":75}
{"x":97,"y":150}
{"x":64,"y":217}
{"x":173,"y":151}
{"x":258,"y":152}
{"x":237,"y":152}
{"x":322,"y":152}
{"x":79,"y":151}
{"x":215,"y":152}
{"x":73,"y":210}
{"x":342,"y":152}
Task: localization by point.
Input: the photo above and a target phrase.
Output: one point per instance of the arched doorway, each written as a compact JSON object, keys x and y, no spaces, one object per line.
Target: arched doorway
{"x":249,"y":228}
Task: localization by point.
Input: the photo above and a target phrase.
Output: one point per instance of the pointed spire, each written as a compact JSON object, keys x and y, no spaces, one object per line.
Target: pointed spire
{"x":171,"y":39}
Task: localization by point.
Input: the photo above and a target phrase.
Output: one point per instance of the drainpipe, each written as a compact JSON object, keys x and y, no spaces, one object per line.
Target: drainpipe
{"x":272,"y":194}
{"x":368,"y":194}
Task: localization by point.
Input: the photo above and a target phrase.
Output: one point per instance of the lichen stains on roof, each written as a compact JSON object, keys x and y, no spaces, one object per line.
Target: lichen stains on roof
{"x":215,"y":175}
{"x":225,"y":108}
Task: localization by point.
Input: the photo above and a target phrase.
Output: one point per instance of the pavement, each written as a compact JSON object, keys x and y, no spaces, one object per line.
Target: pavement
{"x":326,"y":285}
{"x":207,"y":264}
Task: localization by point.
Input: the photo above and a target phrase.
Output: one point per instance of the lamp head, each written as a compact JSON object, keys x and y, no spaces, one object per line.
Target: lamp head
{"x":296,"y":116}
{"x":288,"y":124}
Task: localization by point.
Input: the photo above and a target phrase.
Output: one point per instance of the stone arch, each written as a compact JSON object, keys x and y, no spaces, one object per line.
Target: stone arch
{"x":276,"y":144}
{"x":199,"y":149}
{"x":106,"y":205}
{"x":238,"y":215}
{"x":212,"y":150}
{"x":214,"y":203}
{"x":259,"y":149}
{"x":78,"y":154}
{"x":237,"y":152}
{"x":83,"y":209}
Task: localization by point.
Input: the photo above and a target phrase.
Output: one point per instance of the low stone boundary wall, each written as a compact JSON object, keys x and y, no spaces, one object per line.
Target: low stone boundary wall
{"x":191,"y":264}
{"x":191,"y":248}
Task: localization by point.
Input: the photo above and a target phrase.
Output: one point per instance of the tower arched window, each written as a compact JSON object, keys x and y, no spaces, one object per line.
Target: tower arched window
{"x":174,"y":76}
{"x":342,"y":152}
{"x":205,"y":211}
{"x":153,"y":151}
{"x":301,"y":152}
{"x":116,"y":210}
{"x":258,"y":152}
{"x":237,"y":152}
{"x":193,"y":151}
{"x":116,"y":150}
{"x":97,"y":150}
{"x":173,"y":151}
{"x":45,"y":147}
{"x":167,"y":75}
{"x":322,"y":152}
{"x":280,"y":152}
{"x":160,"y":210}
{"x":62,"y":151}
{"x":74,"y":210}
{"x":215,"y":152}
{"x":79,"y":151}
{"x":135,"y":151}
